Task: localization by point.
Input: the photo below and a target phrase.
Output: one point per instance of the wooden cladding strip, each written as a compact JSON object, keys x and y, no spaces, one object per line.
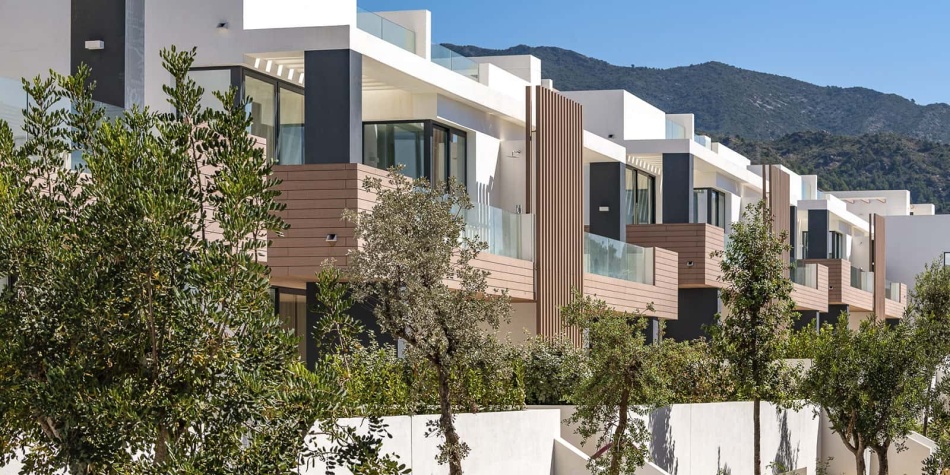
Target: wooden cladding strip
{"x":559,"y":187}
{"x":780,"y":204}
{"x":808,"y":298}
{"x":506,"y":273}
{"x":840,"y":291}
{"x":878,"y":254}
{"x":693,"y":243}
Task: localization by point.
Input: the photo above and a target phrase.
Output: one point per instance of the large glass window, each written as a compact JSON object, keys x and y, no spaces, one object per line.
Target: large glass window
{"x":422,"y":148}
{"x":640,"y":195}
{"x":709,"y":207}
{"x":290,"y":140}
{"x":212,"y":80}
{"x":386,"y":145}
{"x":263,"y":110}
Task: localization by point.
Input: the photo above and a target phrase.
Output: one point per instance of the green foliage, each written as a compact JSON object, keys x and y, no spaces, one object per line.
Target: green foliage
{"x":412,"y":243}
{"x":700,"y":377}
{"x":626,"y":377}
{"x":872,"y":383}
{"x":552,"y":370}
{"x":135,"y":336}
{"x":760,"y":309}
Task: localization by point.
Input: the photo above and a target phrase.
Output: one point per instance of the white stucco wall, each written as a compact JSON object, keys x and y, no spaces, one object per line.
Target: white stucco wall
{"x":519,"y":442}
{"x":912,"y":242}
{"x":260,"y":14}
{"x":34,"y":37}
{"x":701,"y":438}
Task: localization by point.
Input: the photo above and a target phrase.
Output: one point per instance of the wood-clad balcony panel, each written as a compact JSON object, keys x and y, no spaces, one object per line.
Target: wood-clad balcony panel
{"x":627,"y":296}
{"x":693,"y":244}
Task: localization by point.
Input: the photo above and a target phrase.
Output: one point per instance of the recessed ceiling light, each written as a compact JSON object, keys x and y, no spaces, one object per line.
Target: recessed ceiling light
{"x":290,"y":74}
{"x":257,"y":63}
{"x":280,"y":69}
{"x":301,"y":78}
{"x":269,"y":64}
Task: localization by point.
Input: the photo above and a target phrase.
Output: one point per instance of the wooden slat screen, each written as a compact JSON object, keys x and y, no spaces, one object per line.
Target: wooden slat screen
{"x":559,"y":219}
{"x":780,"y":204}
{"x":879,"y":265}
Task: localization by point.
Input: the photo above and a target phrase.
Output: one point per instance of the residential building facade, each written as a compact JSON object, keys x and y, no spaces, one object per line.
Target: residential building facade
{"x":593,"y":190}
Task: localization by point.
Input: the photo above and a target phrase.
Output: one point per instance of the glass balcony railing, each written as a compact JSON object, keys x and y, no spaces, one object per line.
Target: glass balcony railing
{"x":892,"y":291}
{"x":619,"y":260}
{"x":703,"y":140}
{"x":507,"y":234}
{"x":862,"y":279}
{"x":386,"y":30}
{"x":453,"y":61}
{"x":674,"y":130}
{"x":805,"y":274}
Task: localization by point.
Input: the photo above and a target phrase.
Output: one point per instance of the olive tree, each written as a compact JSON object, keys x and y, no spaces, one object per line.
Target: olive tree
{"x":137,"y":334}
{"x":626,"y":377}
{"x":871,"y":382}
{"x":412,"y":245}
{"x":760,"y":309}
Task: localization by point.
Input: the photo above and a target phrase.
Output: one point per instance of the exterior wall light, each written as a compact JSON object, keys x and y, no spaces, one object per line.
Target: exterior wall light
{"x":331,"y":237}
{"x":95,"y":45}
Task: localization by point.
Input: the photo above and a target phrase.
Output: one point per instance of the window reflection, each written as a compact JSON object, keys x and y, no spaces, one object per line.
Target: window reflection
{"x":263,"y":110}
{"x":291,"y":138}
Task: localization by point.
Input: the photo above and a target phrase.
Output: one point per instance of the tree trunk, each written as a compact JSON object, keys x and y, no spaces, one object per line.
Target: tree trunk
{"x":452,"y":442}
{"x":757,"y":434}
{"x":881,"y":460}
{"x":616,"y":449}
{"x":78,"y":468}
{"x":859,"y":461}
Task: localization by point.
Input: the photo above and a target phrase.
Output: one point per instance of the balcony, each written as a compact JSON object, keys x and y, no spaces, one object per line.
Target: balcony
{"x":316,"y":195}
{"x":629,"y":277}
{"x":386,"y":30}
{"x":810,"y":286}
{"x":848,"y":285}
{"x":693,"y":244}
{"x":862,"y":279}
{"x":895,"y":299}
{"x":453,"y":61}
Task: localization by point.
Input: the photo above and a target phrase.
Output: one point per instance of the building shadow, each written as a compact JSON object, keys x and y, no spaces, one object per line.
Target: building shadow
{"x":662,"y":445}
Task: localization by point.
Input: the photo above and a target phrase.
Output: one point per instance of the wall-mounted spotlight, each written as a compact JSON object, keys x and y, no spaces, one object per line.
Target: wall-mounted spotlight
{"x":94,"y":45}
{"x":331,"y":237}
{"x":604,"y":209}
{"x":515,"y":154}
{"x":223,"y":26}
{"x":689,"y":264}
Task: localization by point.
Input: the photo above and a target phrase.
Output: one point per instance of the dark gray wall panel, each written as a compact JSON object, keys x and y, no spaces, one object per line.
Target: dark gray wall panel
{"x":606,"y":189}
{"x":101,"y":20}
{"x":834,"y":314}
{"x":677,"y":188}
{"x":817,"y":234}
{"x":333,"y":130}
{"x":697,"y":308}
{"x":807,"y":319}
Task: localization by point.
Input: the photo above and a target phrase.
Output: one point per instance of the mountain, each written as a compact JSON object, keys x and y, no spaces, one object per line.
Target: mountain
{"x":732,"y":101}
{"x":881,"y":161}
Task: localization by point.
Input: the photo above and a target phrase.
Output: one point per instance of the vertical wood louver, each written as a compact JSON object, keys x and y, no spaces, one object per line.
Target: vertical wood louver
{"x":559,"y":220}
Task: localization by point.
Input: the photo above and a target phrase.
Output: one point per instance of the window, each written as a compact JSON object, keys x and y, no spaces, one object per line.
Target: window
{"x":263,"y":110}
{"x":387,"y":145}
{"x":212,"y":80}
{"x":836,"y":251}
{"x":292,"y":308}
{"x":805,"y":244}
{"x":640,"y":196}
{"x":946,"y":258}
{"x":709,"y":207}
{"x":290,"y":149}
{"x":423,"y":149}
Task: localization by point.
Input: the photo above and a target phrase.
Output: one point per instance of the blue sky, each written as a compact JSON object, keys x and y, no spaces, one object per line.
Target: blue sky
{"x":900,"y":47}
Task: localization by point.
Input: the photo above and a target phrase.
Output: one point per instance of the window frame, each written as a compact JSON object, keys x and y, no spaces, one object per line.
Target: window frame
{"x":429,"y":127}
{"x":631,"y":217}
{"x":238,"y":73}
{"x":720,"y":215}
